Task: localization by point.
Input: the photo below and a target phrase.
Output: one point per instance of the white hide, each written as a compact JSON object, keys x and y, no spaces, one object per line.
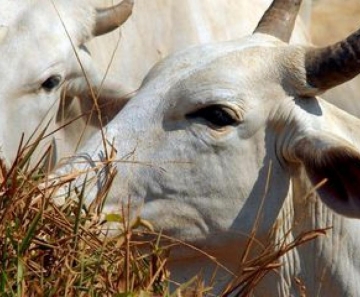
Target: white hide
{"x":205,"y":185}
{"x":11,"y":9}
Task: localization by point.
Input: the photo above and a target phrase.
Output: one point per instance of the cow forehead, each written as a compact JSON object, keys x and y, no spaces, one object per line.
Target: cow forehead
{"x":41,"y":59}
{"x":44,"y":19}
{"x":39,"y":40}
{"x":209,"y":74}
{"x":181,"y":65}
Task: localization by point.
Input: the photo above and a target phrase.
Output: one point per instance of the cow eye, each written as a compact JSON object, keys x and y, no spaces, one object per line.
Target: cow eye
{"x":217,"y":115}
{"x":51,"y":83}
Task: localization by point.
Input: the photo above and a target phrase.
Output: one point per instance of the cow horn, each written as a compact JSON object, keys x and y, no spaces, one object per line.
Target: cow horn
{"x":279,"y":19}
{"x":330,"y":66}
{"x":108,"y":19}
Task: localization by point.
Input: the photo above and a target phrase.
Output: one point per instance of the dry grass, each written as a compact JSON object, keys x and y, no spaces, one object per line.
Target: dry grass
{"x":47,"y":250}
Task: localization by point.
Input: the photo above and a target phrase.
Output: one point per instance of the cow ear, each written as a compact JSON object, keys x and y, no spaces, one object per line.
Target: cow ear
{"x":108,"y":97}
{"x":337,"y":163}
{"x":93,"y":91}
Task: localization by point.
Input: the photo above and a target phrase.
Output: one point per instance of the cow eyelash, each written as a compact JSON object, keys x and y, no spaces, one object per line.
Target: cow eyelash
{"x":51,"y":83}
{"x":217,"y":115}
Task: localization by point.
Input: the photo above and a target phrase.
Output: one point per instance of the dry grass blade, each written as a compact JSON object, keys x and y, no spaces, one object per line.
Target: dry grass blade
{"x":254,"y":270}
{"x":50,"y":251}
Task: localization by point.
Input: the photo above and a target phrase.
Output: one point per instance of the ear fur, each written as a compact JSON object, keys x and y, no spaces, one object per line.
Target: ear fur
{"x":337,"y":161}
{"x":110,"y":98}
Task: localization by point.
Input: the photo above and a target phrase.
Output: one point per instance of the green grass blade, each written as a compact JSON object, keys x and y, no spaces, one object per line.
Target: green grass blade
{"x":25,"y":160}
{"x":81,"y":197}
{"x":30,"y":234}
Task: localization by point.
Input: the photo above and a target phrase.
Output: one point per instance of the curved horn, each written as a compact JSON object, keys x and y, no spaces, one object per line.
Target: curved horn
{"x":330,"y":66}
{"x":279,"y":19}
{"x":108,"y":19}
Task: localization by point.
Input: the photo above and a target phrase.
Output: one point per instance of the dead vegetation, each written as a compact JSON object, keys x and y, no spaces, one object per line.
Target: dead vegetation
{"x":48,"y":250}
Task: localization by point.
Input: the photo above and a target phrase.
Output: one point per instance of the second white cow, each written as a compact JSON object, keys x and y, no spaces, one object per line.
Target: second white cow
{"x":222,"y":132}
{"x":42,"y":48}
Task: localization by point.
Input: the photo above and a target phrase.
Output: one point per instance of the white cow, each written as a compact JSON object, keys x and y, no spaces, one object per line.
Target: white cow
{"x":38,"y":60}
{"x":221,"y":132}
{"x":34,"y":40}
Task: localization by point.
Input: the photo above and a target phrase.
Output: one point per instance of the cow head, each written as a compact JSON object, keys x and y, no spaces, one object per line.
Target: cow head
{"x":43,"y":54}
{"x":216,"y":134}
